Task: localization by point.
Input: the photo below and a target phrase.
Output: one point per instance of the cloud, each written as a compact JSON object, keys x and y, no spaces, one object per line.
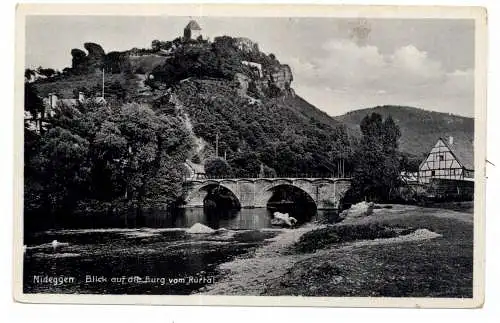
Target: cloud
{"x":363,"y":75}
{"x":415,"y":63}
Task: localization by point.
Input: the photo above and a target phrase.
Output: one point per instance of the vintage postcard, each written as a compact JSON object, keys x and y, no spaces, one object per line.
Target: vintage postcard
{"x":250,"y":155}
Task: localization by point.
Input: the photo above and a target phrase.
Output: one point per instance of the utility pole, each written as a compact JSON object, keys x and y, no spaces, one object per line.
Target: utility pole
{"x":217,"y":144}
{"x":341,"y":164}
{"x":103,"y":82}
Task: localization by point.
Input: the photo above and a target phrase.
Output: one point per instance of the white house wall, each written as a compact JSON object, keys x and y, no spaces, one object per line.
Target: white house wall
{"x":440,"y":163}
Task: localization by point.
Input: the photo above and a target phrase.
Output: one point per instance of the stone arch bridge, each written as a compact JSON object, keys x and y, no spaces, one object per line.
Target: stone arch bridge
{"x":256,"y":192}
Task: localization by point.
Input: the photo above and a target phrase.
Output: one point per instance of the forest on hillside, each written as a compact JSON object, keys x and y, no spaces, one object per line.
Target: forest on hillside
{"x":270,"y":133}
{"x":130,"y":152}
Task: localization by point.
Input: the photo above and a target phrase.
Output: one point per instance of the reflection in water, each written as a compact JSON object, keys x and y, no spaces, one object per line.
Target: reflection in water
{"x":215,"y":218}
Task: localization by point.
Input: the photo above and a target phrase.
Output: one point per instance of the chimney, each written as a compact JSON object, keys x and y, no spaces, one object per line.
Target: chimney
{"x":450,"y":141}
{"x":81,"y":97}
{"x":52,"y":100}
{"x":49,"y":109}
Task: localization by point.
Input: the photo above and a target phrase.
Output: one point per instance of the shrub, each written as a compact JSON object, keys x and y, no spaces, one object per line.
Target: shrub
{"x":318,"y":239}
{"x":321,"y":238}
{"x":217,"y":167}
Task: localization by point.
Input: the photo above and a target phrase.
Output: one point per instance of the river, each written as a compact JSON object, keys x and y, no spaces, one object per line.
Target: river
{"x":152,"y":253}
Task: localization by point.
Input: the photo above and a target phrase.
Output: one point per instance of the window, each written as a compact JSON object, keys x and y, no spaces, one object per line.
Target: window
{"x":441,"y":157}
{"x":433,"y":173}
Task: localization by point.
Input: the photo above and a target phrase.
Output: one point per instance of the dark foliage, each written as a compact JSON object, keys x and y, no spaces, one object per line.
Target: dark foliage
{"x":32,"y":102}
{"x":277,"y":133}
{"x":217,"y":168}
{"x":122,"y":156}
{"x":376,"y":175}
{"x":321,"y":238}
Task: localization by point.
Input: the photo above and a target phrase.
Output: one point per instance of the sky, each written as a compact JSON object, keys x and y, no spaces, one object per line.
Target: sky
{"x":338,"y":64}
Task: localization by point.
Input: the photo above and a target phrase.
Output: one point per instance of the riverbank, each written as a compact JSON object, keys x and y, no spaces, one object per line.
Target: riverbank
{"x":428,"y":253}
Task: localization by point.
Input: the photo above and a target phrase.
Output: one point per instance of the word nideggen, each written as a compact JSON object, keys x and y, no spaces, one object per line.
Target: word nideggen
{"x":53,"y":280}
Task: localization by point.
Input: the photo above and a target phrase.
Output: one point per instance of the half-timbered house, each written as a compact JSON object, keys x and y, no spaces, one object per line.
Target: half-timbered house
{"x":448,"y":159}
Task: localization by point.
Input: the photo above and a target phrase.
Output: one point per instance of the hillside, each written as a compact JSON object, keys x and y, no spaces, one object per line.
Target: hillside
{"x":420,"y":129}
{"x":225,"y":88}
{"x":285,"y":134}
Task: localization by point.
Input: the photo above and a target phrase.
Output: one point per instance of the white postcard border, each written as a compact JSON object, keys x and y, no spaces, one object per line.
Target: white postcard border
{"x":225,"y":10}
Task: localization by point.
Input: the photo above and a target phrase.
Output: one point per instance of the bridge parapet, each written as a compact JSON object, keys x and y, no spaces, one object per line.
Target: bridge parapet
{"x":272,"y":179}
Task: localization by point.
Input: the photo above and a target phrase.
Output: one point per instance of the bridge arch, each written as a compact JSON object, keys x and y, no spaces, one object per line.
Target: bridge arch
{"x":268,"y":192}
{"x":199,"y":193}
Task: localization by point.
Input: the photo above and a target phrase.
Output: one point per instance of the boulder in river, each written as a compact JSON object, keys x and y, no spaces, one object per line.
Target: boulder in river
{"x":200,"y":228}
{"x":283,"y":219}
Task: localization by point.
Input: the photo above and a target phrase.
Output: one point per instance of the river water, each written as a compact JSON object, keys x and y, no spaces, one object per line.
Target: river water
{"x":150,"y":253}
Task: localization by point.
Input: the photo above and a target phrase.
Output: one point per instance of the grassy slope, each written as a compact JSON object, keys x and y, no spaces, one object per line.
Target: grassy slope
{"x":145,"y":64}
{"x":65,"y":86}
{"x":440,"y":267}
{"x":420,"y":129}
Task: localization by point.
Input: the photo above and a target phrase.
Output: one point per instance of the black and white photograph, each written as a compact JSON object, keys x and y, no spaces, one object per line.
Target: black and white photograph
{"x":317,"y":156}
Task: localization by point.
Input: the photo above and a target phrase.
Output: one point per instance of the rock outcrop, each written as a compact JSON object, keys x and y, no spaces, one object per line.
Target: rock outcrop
{"x":281,"y":76}
{"x":83,"y":62}
{"x":96,"y":53}
{"x":79,"y":60}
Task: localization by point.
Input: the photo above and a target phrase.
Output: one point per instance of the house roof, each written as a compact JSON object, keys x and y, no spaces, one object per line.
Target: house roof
{"x":68,"y":102}
{"x":463,"y":149}
{"x":195,"y":168}
{"x":100,"y":100}
{"x":193,"y":25}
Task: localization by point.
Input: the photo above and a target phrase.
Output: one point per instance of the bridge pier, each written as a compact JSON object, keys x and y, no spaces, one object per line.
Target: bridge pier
{"x":197,"y":198}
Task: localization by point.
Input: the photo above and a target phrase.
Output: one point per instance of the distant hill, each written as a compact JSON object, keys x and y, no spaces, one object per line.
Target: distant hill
{"x":420,"y":128}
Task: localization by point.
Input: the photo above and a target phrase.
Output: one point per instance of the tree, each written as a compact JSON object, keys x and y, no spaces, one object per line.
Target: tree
{"x":268,"y":172}
{"x":65,"y":169}
{"x":410,"y":163}
{"x":217,"y":167}
{"x":376,"y":174}
{"x":155,"y":45}
{"x":245,"y":164}
{"x":29,"y":73}
{"x":32,"y":102}
{"x":47,"y":72}
{"x":94,"y":155}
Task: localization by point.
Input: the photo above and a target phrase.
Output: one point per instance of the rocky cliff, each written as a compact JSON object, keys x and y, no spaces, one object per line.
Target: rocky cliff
{"x":83,"y":62}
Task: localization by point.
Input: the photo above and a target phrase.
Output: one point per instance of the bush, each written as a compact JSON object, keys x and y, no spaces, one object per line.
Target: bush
{"x":217,"y":167}
{"x":318,"y":239}
{"x":321,"y":238}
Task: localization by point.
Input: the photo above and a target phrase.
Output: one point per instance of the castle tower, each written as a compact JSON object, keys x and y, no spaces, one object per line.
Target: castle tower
{"x":192,"y":30}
